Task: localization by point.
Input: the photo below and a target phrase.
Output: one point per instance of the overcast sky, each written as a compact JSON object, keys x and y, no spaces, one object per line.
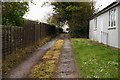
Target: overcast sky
{"x":36,"y":12}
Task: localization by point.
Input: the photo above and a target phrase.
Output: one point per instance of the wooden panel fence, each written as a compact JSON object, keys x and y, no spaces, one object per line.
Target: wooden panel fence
{"x":17,"y":38}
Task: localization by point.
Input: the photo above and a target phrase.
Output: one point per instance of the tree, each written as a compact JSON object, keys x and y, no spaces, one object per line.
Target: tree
{"x":13,"y":12}
{"x":75,"y":14}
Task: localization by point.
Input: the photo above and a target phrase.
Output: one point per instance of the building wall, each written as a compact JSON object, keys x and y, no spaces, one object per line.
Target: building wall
{"x":107,"y":36}
{"x":64,"y":28}
{"x":119,"y":26}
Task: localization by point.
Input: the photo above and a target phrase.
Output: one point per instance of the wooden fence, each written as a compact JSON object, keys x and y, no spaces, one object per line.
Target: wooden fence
{"x":17,"y":38}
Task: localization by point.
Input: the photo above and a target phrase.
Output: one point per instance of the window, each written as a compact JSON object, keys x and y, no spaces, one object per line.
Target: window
{"x":95,"y":23}
{"x":112,"y":18}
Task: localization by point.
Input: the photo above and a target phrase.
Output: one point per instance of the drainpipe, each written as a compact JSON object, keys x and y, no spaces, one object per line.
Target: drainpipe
{"x":101,"y":36}
{"x":107,"y":39}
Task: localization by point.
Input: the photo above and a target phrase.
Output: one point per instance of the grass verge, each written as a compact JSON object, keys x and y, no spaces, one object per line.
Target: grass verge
{"x":11,"y":60}
{"x":47,"y":68}
{"x":95,"y":60}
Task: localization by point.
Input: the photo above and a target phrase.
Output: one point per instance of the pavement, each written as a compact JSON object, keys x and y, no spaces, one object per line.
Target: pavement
{"x":67,"y":65}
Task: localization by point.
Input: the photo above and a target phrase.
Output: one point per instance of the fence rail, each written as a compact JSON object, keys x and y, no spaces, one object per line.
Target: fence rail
{"x":17,"y":38}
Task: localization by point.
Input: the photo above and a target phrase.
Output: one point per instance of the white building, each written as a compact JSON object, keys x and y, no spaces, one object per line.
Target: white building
{"x":65,"y":28}
{"x":104,"y":26}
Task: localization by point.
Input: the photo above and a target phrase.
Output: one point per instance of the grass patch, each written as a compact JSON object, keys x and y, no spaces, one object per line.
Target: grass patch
{"x":11,"y":60}
{"x":47,"y":68}
{"x":95,"y":61}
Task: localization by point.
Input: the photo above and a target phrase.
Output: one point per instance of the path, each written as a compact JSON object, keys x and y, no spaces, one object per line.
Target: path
{"x":22,"y":70}
{"x":67,"y":66}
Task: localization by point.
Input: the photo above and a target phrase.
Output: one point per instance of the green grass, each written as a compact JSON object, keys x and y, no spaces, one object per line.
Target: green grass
{"x":95,"y":61}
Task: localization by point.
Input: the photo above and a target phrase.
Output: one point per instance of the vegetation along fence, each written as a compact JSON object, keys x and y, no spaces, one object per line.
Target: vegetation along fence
{"x":17,"y":38}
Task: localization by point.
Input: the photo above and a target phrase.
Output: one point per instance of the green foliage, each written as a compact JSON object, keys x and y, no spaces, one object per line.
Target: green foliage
{"x":75,"y":14}
{"x":95,"y":60}
{"x":60,"y":30}
{"x":56,"y":29}
{"x":53,"y":28}
{"x":13,"y":12}
{"x":52,"y":24}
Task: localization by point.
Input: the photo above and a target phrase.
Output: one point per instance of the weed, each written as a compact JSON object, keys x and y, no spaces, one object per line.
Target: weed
{"x":46,"y":69}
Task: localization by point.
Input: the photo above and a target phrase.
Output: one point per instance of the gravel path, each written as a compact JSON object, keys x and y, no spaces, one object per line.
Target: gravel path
{"x":23,"y":69}
{"x":67,"y":66}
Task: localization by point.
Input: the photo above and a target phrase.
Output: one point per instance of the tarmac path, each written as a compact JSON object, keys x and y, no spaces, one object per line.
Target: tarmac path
{"x":23,"y":69}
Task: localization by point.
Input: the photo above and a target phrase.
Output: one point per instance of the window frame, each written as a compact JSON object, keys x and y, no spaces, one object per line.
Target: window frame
{"x":112,"y":18}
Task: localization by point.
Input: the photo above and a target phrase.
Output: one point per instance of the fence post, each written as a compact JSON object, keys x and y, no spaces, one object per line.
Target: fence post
{"x":3,"y":42}
{"x":11,"y":39}
{"x":17,"y":38}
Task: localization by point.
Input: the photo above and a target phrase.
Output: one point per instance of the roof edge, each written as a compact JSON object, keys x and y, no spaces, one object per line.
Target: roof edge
{"x":105,"y":9}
